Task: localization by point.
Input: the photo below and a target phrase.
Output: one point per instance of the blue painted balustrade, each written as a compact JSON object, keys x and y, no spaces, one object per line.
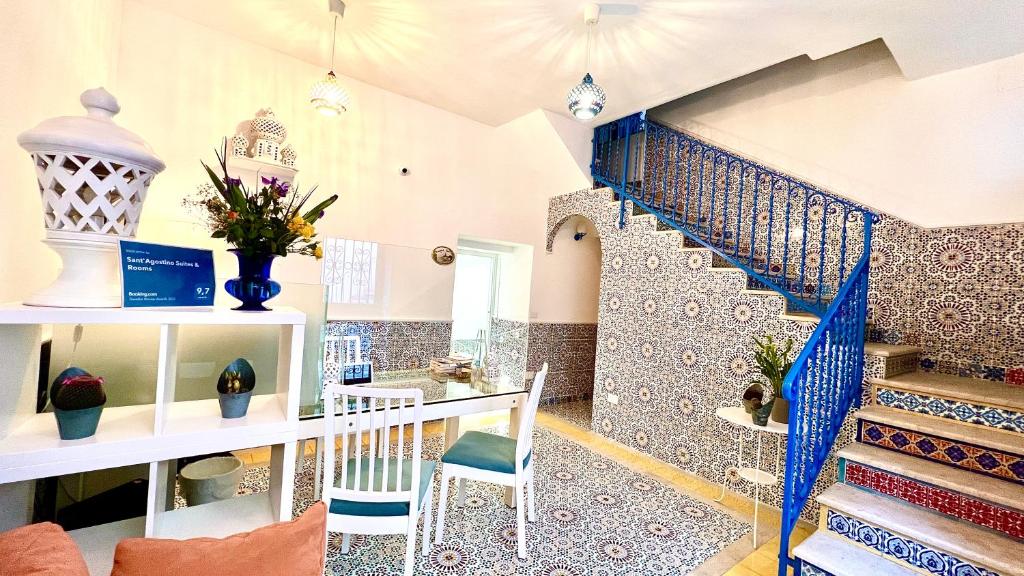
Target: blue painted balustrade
{"x":789,"y":236}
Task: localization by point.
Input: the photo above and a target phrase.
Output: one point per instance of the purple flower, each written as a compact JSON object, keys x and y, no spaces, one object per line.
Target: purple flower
{"x":321,"y":214}
{"x":234,"y":181}
{"x":264,"y":179}
{"x":282,"y":192}
{"x":285,"y":186}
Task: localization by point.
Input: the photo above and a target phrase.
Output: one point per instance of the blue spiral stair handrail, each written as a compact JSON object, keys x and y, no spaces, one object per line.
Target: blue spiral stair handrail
{"x":810,"y":246}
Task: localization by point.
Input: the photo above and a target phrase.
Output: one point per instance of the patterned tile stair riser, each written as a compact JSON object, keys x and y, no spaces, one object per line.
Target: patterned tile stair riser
{"x":925,"y":495}
{"x":808,"y":569}
{"x":594,"y":518}
{"x":898,"y":548}
{"x":995,"y":463}
{"x":982,"y":415}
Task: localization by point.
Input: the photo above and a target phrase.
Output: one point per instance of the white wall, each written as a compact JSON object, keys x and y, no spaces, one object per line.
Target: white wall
{"x":183,"y":87}
{"x":940,"y":151}
{"x":49,"y":52}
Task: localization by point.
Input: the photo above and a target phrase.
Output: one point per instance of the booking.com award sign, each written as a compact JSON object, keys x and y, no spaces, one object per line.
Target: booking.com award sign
{"x":154,"y":275}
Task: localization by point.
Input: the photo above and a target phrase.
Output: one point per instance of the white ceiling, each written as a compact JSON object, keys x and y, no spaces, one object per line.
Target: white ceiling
{"x":495,"y":60}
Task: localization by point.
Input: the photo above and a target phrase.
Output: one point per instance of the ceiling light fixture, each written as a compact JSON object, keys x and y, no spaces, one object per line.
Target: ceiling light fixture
{"x":586,"y":99}
{"x":327,"y":95}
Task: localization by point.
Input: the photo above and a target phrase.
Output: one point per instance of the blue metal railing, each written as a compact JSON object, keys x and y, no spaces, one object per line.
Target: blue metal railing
{"x":788,"y":236}
{"x":823,"y":385}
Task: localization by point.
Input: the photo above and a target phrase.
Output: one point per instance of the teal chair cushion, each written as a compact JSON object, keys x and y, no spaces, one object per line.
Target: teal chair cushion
{"x":354,"y":508}
{"x":485,"y":452}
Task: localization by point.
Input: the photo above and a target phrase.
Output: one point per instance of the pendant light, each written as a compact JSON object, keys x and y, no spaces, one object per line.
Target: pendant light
{"x":586,"y":99}
{"x":327,"y":95}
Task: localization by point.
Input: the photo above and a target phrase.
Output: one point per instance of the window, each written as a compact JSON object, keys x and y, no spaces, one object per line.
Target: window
{"x":350,"y":270}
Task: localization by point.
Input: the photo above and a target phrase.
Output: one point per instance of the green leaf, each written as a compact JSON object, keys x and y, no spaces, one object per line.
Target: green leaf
{"x":314,"y":214}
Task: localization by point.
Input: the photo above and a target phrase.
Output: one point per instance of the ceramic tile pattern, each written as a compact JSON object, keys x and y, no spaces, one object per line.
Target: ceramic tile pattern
{"x":984,"y":415}
{"x":506,"y":352}
{"x":958,"y":293}
{"x":397,"y":345}
{"x":988,"y":461}
{"x":808,"y":569}
{"x":674,"y":344}
{"x":569,"y":350}
{"x":904,"y":549}
{"x":594,"y":517}
{"x":577,"y":412}
{"x":935,"y":498}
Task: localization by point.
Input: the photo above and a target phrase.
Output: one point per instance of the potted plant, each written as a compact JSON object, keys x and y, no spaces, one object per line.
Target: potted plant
{"x":261,"y":225}
{"x":235,"y":387}
{"x":78,"y":398}
{"x":774,"y":363}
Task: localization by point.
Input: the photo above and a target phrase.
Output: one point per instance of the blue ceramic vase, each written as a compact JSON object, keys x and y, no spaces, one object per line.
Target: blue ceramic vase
{"x":253,"y":285}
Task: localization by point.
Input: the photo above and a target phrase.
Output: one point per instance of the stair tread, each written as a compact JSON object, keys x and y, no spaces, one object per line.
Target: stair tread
{"x":840,"y":557}
{"x":986,"y":392}
{"x":969,"y":483}
{"x":889,"y":350}
{"x":961,"y":539}
{"x":1004,"y":440}
{"x":800,"y":317}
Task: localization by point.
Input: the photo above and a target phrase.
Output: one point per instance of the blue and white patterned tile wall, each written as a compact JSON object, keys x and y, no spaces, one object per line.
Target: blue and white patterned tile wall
{"x":958,"y":293}
{"x":673,"y":343}
{"x":569,"y":350}
{"x":674,"y":337}
{"x":506,"y":352}
{"x":397,"y":345}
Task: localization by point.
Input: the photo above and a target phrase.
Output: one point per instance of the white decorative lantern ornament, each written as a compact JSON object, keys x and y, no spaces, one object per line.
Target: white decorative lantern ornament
{"x":93,"y":176}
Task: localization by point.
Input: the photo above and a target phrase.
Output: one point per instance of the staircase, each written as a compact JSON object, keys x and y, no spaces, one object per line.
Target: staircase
{"x":935,"y":481}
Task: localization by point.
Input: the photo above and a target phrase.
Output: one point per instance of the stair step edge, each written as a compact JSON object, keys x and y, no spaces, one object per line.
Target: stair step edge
{"x":976,"y":390}
{"x":953,"y":429}
{"x":800,"y":317}
{"x":842,"y":558}
{"x":977,"y":486}
{"x":961,"y":539}
{"x":889,"y":350}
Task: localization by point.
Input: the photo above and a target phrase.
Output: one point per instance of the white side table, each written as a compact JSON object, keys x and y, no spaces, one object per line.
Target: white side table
{"x":737,"y":416}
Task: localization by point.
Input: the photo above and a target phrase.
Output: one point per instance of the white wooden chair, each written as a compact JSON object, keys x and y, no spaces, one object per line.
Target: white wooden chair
{"x":498,"y":460}
{"x":378,"y":493}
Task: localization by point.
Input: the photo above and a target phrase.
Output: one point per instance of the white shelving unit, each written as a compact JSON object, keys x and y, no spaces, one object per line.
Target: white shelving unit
{"x":156,"y":434}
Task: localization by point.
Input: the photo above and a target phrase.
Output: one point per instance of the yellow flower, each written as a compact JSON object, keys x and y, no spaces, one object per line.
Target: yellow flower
{"x":308,"y":231}
{"x":318,"y":252}
{"x":297,"y":224}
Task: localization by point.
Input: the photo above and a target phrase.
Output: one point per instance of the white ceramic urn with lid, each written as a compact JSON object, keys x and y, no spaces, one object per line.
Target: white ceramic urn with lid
{"x":93,"y":176}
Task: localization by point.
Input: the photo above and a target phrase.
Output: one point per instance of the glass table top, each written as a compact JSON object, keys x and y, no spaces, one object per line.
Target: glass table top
{"x":436,"y":388}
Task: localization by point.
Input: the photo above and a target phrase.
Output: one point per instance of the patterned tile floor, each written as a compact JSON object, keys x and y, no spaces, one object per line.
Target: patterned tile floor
{"x":578,"y":412}
{"x":594,"y":517}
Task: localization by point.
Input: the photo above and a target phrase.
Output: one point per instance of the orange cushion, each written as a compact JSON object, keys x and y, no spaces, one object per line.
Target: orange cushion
{"x":40,"y":550}
{"x":293,"y":548}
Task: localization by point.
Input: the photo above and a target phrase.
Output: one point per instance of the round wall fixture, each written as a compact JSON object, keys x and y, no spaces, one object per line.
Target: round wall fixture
{"x":443,"y":255}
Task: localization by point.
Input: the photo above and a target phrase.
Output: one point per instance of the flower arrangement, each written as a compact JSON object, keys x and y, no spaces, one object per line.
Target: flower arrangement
{"x":272,"y":220}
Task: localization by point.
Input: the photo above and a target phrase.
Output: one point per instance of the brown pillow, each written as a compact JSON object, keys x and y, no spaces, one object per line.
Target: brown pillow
{"x":293,"y":548}
{"x":40,"y":550}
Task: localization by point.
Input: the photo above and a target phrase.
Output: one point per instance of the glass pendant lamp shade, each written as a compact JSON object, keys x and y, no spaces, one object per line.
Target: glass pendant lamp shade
{"x":328,"y":97}
{"x":586,"y":99}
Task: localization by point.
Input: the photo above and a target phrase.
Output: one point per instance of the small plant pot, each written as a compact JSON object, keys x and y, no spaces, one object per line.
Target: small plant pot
{"x":760,"y":415}
{"x":780,"y":411}
{"x":211,"y":479}
{"x":77,"y":424}
{"x":234,"y":405}
{"x":752,"y":396}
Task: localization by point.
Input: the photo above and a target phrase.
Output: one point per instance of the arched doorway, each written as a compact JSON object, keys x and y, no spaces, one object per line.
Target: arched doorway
{"x":564,"y":333}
